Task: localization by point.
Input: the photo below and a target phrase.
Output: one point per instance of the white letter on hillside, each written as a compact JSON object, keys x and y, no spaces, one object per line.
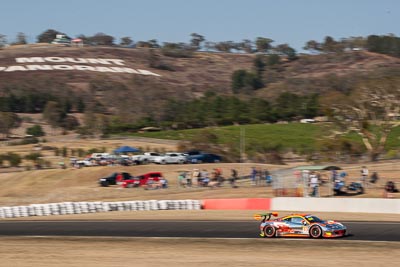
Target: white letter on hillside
{"x":116,"y":61}
{"x":39,"y":67}
{"x":62,"y":67}
{"x":104,"y":69}
{"x":29,"y":59}
{"x":97,"y":61}
{"x":80,"y":67}
{"x":146,"y":72}
{"x":76,"y":60}
{"x":15,"y":68}
{"x":55,"y":59}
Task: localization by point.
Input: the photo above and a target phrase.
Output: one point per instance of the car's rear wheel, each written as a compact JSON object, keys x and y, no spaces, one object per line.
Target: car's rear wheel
{"x":315,"y":231}
{"x":269,"y":231}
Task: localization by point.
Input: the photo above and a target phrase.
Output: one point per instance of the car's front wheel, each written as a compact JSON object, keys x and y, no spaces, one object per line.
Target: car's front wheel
{"x":315,"y":231}
{"x":269,"y":231}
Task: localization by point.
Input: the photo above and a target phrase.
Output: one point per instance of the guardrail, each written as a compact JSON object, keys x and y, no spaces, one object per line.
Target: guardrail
{"x":365,"y":205}
{"x":93,"y":207}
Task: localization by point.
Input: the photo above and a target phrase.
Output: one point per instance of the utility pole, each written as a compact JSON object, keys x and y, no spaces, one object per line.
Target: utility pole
{"x":242,"y":148}
{"x":242,"y":144}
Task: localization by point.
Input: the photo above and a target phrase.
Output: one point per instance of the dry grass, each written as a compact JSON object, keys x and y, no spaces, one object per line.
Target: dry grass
{"x":58,"y":185}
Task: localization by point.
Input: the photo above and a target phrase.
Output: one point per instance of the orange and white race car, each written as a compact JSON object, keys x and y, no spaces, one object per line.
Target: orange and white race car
{"x":298,"y":225}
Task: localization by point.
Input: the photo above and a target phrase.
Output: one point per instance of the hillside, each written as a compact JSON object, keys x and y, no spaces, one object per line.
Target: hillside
{"x":129,"y":79}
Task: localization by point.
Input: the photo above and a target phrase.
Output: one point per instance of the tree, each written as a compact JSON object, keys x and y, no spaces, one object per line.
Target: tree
{"x":273,"y":60}
{"x":313,"y":46}
{"x":285,"y":49}
{"x":238,"y":80}
{"x":196,"y":40}
{"x":126,"y":41}
{"x":176,"y":50}
{"x":69,"y":122}
{"x":243,"y":81}
{"x":226,"y":46}
{"x":263,"y":45}
{"x":259,"y":64}
{"x":368,"y":111}
{"x":246,"y":45}
{"x":330,"y":45}
{"x":14,"y":159}
{"x":48,"y":36}
{"x":9,"y":120}
{"x":20,"y":39}
{"x":101,"y":39}
{"x":53,"y":114}
{"x":36,"y":130}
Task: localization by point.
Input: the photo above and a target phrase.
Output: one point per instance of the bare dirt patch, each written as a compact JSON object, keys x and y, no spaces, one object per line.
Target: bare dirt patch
{"x":97,"y":252}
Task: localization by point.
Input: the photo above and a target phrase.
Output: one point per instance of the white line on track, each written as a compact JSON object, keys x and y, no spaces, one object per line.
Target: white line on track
{"x":199,"y":238}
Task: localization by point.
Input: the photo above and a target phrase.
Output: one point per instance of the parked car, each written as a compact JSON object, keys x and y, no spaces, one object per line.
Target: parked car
{"x":86,"y":163}
{"x":112,"y":179}
{"x":204,"y":158}
{"x":171,"y":158}
{"x":146,"y":157}
{"x":142,"y":180}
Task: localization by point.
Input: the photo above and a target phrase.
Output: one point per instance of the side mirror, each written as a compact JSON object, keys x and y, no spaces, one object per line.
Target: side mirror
{"x":304,"y":222}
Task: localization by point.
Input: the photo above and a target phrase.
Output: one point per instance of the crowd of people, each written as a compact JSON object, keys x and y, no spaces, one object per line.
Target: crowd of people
{"x":215,"y":178}
{"x":313,"y":180}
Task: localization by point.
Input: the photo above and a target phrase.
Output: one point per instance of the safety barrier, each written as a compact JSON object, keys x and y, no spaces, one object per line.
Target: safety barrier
{"x":237,"y":204}
{"x":367,"y":205}
{"x":93,"y":207}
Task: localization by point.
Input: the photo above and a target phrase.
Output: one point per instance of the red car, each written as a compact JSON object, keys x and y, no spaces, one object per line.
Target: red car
{"x":142,"y":180}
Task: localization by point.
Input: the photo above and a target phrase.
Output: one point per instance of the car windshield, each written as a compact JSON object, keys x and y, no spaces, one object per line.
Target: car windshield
{"x":313,"y":219}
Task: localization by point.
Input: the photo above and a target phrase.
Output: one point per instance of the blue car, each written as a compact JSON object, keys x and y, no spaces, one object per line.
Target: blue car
{"x":204,"y":158}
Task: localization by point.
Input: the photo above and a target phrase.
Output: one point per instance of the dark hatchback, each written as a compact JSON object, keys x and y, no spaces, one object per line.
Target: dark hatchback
{"x":204,"y":158}
{"x":112,"y":179}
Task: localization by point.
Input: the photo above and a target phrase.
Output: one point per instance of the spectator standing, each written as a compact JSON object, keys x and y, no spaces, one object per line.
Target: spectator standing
{"x":163,"y":182}
{"x":364,"y":175}
{"x":314,"y":184}
{"x":182,"y":179}
{"x":268,"y":177}
{"x":203,"y":178}
{"x":234,"y":176}
{"x":253,"y":175}
{"x":193,"y":177}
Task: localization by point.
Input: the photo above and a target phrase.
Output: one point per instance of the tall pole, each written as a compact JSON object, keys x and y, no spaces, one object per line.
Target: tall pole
{"x":242,"y":144}
{"x":242,"y":148}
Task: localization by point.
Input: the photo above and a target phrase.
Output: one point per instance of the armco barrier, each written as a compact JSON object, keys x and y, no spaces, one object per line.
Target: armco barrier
{"x":369,"y":205}
{"x":237,"y":204}
{"x":92,"y":207}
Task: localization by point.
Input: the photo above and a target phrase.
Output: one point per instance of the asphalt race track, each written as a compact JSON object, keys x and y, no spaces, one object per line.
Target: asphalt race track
{"x":373,"y":231}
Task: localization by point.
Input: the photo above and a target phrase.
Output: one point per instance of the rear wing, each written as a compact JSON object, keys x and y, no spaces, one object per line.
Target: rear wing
{"x":264,"y":216}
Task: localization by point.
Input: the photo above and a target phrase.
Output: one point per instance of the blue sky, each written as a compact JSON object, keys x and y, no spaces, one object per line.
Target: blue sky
{"x":284,"y":21}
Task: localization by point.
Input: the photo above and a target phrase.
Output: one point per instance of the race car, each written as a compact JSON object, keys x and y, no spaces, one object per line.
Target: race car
{"x":298,"y":225}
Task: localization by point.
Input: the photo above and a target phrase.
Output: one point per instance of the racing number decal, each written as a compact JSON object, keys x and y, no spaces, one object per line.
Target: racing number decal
{"x":304,"y":228}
